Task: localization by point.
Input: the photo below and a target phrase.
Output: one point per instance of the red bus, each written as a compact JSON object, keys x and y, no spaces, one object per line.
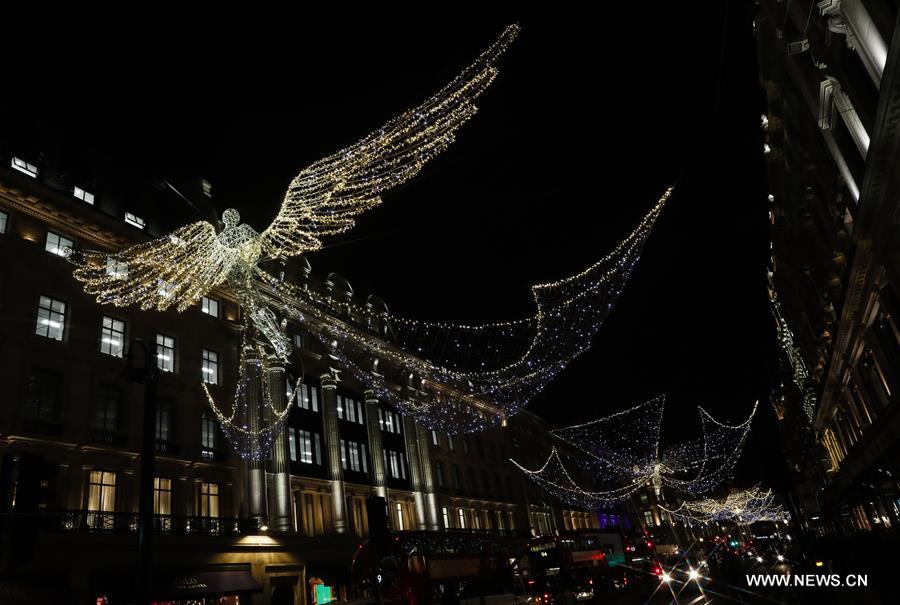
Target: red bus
{"x":421,"y":568}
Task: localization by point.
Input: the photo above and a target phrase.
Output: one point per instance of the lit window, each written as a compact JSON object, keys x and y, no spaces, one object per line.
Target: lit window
{"x":292,"y":444}
{"x":135,"y":221}
{"x":57,"y":244}
{"x":101,"y":500}
{"x":210,"y":306}
{"x":85,"y":196}
{"x":116,"y":268}
{"x":4,"y":219}
{"x":207,"y":187}
{"x":310,"y":448}
{"x":434,"y":437}
{"x":209,"y":500}
{"x":353,"y":456}
{"x":389,"y":421}
{"x":394,"y":463}
{"x":23,"y":166}
{"x":310,"y":398}
{"x":112,"y":337}
{"x":400,"y":525}
{"x":445,"y":513}
{"x":165,"y":353}
{"x":461,"y":515}
{"x":51,"y":318}
{"x":210,"y":367}
{"x":162,"y":496}
{"x":208,"y":436}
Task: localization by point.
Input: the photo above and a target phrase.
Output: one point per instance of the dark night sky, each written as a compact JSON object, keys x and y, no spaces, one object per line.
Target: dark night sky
{"x":588,"y":122}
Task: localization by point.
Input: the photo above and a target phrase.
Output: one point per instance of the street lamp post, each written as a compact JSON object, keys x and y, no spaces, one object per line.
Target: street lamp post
{"x":148,"y":375}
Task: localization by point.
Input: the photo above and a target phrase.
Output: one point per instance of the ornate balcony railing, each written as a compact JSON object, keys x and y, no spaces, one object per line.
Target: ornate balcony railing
{"x":84,"y":521}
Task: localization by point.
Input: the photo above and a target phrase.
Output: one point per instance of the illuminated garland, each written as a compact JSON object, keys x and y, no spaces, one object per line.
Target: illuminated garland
{"x":743,"y":508}
{"x":252,"y":429}
{"x":622,"y":451}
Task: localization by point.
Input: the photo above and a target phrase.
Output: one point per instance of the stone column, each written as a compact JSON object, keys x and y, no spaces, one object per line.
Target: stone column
{"x":431,"y":507}
{"x":255,"y":463}
{"x":375,"y":447}
{"x":415,"y":470}
{"x":280,"y":515}
{"x":333,"y":447}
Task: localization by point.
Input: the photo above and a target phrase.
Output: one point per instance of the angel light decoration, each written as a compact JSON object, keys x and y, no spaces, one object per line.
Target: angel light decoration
{"x":177,"y":270}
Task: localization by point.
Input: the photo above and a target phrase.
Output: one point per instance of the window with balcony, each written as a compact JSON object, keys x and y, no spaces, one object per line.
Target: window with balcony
{"x":112,"y":336}
{"x":209,"y":500}
{"x":165,"y":353}
{"x":58,"y":244}
{"x":51,"y":319}
{"x":101,"y":499}
{"x":162,"y":496}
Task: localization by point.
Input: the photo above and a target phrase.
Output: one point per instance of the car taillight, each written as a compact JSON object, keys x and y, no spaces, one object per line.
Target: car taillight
{"x":657,"y":570}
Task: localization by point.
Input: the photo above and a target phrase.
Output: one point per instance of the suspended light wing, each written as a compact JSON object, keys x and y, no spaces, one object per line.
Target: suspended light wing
{"x":172,"y":271}
{"x":326,"y":196}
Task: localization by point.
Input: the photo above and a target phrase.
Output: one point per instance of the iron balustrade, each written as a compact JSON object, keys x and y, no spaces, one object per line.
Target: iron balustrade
{"x":85,"y":521}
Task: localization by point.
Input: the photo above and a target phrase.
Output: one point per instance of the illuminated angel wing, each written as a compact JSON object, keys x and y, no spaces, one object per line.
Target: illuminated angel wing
{"x":324,"y":198}
{"x":175,"y":270}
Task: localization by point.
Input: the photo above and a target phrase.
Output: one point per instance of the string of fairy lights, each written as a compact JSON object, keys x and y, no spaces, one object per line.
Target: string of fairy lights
{"x":569,"y":313}
{"x":621,"y":452}
{"x":744,"y":507}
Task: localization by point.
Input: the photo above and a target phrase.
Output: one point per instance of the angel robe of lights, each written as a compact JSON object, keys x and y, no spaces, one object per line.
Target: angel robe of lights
{"x":177,"y":270}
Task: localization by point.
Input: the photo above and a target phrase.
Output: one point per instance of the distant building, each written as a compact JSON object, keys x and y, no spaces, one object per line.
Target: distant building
{"x":831,"y":74}
{"x":70,"y":427}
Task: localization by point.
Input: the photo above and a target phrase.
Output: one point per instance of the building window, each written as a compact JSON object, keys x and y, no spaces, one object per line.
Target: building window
{"x":57,"y":244}
{"x":83,"y":195}
{"x":210,"y":306}
{"x":648,"y":518}
{"x":112,"y":337}
{"x":434,"y":437}
{"x":135,"y":221}
{"x":163,"y":427}
{"x":298,"y":341}
{"x":43,"y":394}
{"x":162,"y":496}
{"x":165,"y":353}
{"x":209,"y":500}
{"x":389,"y":421}
{"x":461,"y":518}
{"x":207,"y":187}
{"x":395,"y":464}
{"x":101,"y":499}
{"x":292,"y":444}
{"x":399,"y":510}
{"x":310,"y":398}
{"x":450,"y":445}
{"x":107,"y":416}
{"x":24,"y":167}
{"x":208,"y":436}
{"x":445,"y":514}
{"x":210,"y":367}
{"x":310,"y":447}
{"x":4,"y":220}
{"x":116,"y":268}
{"x":350,"y":410}
{"x":353,"y":456}
{"x":439,"y":473}
{"x":51,"y":319}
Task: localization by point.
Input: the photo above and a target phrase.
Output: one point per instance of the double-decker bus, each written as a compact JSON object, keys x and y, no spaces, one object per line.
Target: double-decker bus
{"x":420,"y":568}
{"x":573,"y":565}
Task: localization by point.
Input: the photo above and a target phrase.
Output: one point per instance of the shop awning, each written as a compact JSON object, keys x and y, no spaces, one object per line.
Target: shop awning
{"x":205,"y":583}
